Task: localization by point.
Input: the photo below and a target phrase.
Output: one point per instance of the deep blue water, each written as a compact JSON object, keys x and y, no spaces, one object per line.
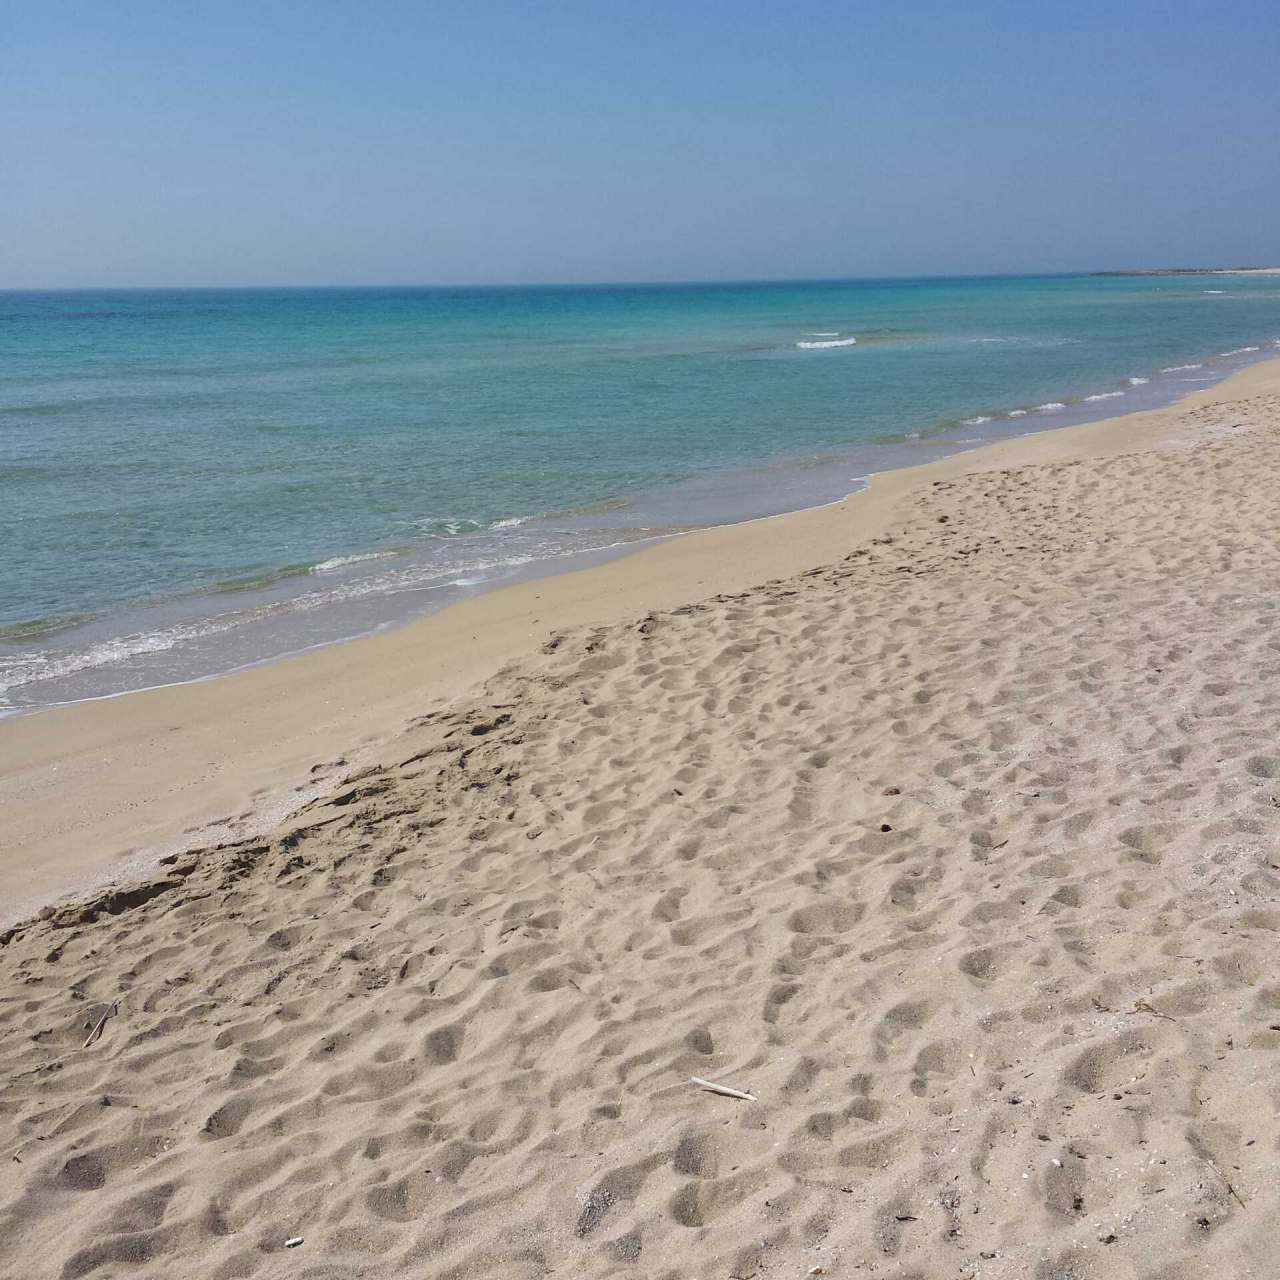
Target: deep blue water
{"x":194,"y":479}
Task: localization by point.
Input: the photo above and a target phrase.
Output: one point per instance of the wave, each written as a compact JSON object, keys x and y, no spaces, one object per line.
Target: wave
{"x":255,"y":579}
{"x":823,"y":343}
{"x":31,"y":668}
{"x":341,"y":562}
{"x":1105,"y":395}
{"x":976,"y":421}
{"x":1028,"y":341}
{"x":32,"y":627}
{"x":451,"y":526}
{"x":1181,"y":368}
{"x":836,"y":334}
{"x":1239,"y":351}
{"x":38,"y":667}
{"x":444,"y":526}
{"x":1051,"y":407}
{"x":1138,"y":382}
{"x":1017,"y":413}
{"x":1215,"y":291}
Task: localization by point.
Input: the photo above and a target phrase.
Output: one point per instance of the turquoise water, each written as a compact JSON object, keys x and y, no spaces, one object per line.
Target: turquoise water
{"x":193,"y":480}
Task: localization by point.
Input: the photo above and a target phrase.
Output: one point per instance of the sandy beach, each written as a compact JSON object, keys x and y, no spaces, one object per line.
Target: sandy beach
{"x":940,"y":822}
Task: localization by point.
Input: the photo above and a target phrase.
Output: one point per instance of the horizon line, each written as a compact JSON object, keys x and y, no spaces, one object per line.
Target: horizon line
{"x":727,"y":281}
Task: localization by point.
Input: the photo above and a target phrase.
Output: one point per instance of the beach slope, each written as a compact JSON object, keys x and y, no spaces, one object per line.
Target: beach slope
{"x":955,"y":851}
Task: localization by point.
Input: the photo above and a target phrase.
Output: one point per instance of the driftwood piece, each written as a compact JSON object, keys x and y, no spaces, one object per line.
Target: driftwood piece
{"x":723,"y":1089}
{"x":112,"y":1008}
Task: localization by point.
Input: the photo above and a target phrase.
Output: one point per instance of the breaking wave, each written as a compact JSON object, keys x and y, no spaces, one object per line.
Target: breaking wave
{"x":822,"y":343}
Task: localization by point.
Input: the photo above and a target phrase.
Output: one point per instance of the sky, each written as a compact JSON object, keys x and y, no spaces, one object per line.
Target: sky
{"x":214,"y":142}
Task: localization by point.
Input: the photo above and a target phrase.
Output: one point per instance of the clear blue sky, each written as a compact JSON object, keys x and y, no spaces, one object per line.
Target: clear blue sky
{"x":377,"y":141}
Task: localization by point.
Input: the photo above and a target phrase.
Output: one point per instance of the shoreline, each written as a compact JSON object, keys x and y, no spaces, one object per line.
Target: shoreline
{"x":207,"y":633}
{"x":98,"y":790}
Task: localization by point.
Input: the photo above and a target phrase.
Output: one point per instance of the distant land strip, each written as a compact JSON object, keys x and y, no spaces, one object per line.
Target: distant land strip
{"x":1191,"y":271}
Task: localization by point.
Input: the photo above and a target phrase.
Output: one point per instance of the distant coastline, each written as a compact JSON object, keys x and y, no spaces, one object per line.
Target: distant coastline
{"x":1193,"y":271}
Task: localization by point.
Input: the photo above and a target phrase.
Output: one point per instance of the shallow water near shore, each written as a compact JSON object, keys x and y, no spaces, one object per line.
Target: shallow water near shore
{"x":194,"y":481}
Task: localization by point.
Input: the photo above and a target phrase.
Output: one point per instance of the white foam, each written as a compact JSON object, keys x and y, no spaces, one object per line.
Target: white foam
{"x":341,"y":562}
{"x":1239,"y":351}
{"x":1105,"y":395}
{"x":1215,"y":291}
{"x":1179,"y":368}
{"x":444,"y":526}
{"x":33,"y":667}
{"x":975,"y":421}
{"x":1051,"y":407}
{"x":827,"y":342}
{"x":1017,"y":413}
{"x":1138,"y":382}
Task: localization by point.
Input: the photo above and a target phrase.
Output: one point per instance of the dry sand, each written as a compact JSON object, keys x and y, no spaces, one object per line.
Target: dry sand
{"x":958,"y":853}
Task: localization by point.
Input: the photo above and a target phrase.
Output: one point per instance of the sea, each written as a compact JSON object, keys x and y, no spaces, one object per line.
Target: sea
{"x":197,"y":480}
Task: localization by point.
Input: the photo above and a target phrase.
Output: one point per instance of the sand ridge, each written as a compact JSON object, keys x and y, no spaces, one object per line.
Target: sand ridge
{"x":959,"y":854}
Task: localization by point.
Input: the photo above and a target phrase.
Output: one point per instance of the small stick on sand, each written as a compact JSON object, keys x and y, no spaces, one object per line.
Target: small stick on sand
{"x":1141,"y":1006}
{"x":712,"y":1087}
{"x":1213,"y":1164}
{"x":102,"y":1022}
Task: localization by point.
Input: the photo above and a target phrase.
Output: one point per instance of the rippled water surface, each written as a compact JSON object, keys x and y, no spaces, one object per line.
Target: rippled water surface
{"x":194,"y":480}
